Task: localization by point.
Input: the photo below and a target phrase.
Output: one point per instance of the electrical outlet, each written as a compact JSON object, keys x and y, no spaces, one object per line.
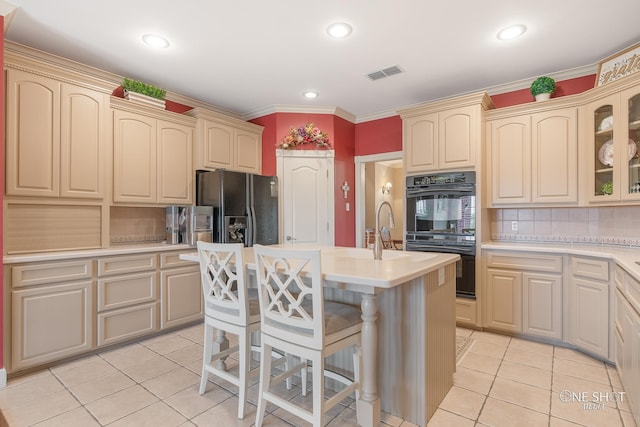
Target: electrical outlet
{"x":514,"y":225}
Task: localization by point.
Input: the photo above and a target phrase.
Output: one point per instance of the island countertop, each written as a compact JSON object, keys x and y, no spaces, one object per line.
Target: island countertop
{"x":356,"y":266}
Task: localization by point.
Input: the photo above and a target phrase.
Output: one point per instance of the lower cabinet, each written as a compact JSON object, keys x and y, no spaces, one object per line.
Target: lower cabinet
{"x":524,"y":293}
{"x":589,"y":289}
{"x":51,"y":322}
{"x":181,"y":296}
{"x":63,"y":309}
{"x":627,"y":341}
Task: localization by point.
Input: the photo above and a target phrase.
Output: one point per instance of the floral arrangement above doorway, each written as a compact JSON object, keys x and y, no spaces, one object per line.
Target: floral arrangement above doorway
{"x":307,"y":134}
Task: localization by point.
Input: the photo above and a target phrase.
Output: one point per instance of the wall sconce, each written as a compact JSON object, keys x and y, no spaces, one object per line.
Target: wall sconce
{"x":345,"y":188}
{"x":386,"y":189}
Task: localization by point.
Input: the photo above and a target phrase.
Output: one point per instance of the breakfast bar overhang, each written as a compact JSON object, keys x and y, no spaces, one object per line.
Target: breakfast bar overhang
{"x":408,"y":333}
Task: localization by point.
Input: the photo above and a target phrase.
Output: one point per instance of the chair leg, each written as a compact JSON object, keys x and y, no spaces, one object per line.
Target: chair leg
{"x":265,"y":381}
{"x":287,"y":365}
{"x":244,"y":339}
{"x":357,"y":366}
{"x":206,"y":356}
{"x":304,"y":375}
{"x":318,"y":390}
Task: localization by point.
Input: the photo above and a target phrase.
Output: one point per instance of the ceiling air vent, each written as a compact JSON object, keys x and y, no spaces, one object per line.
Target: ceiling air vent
{"x":390,"y":71}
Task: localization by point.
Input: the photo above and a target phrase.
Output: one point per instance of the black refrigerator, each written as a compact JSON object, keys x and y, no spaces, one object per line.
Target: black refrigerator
{"x":245,"y":206}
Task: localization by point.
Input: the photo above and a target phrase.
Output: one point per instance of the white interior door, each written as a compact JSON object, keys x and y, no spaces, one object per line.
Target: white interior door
{"x":306,"y":196}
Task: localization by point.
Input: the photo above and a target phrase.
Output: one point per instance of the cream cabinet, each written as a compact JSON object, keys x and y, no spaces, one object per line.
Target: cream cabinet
{"x":627,"y":337}
{"x":181,"y":291}
{"x":127,"y":299}
{"x":223,"y":142}
{"x":152,"y":157}
{"x":613,"y":134}
{"x":55,"y":138}
{"x":534,"y":158}
{"x":524,"y":293}
{"x":444,"y":135}
{"x":589,"y":290}
{"x":52,"y":311}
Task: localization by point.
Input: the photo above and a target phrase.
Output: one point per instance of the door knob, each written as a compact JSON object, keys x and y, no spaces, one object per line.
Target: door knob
{"x":289,"y":238}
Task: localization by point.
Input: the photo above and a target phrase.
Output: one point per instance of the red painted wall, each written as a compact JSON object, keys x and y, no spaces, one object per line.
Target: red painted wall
{"x":378,"y":136}
{"x":341,"y":137}
{"x":563,"y":88}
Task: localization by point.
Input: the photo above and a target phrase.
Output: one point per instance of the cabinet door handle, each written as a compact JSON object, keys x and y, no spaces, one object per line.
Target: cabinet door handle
{"x":290,"y":238}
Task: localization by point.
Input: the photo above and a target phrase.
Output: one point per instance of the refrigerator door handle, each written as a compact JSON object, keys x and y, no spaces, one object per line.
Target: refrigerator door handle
{"x":251,"y":214}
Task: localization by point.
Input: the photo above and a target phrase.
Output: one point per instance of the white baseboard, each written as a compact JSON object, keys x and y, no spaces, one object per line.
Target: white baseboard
{"x":3,"y":378}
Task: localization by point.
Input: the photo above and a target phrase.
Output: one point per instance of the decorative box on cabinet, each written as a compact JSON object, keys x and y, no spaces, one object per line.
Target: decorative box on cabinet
{"x":38,"y":333}
{"x":534,"y":157}
{"x":56,"y":138}
{"x":181,"y":291}
{"x":589,"y":291}
{"x":127,"y":297}
{"x":223,"y":142}
{"x":444,"y":135}
{"x":152,"y":155}
{"x":524,"y":293}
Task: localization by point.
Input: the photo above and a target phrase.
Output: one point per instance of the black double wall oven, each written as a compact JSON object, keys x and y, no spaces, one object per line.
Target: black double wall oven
{"x":441,"y":217}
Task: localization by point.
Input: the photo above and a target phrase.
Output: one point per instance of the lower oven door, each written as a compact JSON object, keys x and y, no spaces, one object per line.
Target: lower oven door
{"x":465,"y":267}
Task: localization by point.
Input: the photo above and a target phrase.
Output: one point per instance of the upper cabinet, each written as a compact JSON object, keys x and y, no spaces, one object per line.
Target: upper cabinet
{"x":152,"y":155}
{"x":55,"y":138}
{"x":223,"y":142}
{"x":534,"y":157}
{"x":444,"y":135}
{"x":613,"y":133}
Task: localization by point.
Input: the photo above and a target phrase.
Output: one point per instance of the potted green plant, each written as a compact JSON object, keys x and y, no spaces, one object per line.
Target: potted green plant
{"x":542,"y":88}
{"x":145,"y":93}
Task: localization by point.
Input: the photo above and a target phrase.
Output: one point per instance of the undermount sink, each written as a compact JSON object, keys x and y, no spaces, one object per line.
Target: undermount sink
{"x":365,"y":254}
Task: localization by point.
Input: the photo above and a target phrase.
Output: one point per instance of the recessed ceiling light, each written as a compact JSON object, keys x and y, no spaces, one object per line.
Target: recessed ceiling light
{"x":155,"y":41}
{"x":339,"y":30}
{"x":511,"y":32}
{"x":310,"y":94}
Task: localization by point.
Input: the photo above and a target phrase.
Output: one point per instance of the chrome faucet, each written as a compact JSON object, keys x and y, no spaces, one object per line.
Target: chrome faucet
{"x":377,"y":244}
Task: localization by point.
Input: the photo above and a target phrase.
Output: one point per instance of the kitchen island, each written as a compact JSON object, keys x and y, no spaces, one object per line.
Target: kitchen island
{"x":408,"y":333}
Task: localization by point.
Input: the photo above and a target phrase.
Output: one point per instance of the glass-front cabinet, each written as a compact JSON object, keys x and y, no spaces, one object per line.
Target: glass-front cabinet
{"x":630,"y":100}
{"x":614,"y":127}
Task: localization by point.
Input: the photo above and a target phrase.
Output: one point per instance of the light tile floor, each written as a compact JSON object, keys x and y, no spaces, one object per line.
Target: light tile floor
{"x":500,"y":381}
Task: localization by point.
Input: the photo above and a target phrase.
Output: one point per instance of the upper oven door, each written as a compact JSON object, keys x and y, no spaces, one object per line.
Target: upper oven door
{"x":442,"y":211}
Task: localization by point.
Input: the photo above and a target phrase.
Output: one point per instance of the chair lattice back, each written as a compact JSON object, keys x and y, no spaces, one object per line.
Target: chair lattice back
{"x":291,"y":297}
{"x":223,"y":282}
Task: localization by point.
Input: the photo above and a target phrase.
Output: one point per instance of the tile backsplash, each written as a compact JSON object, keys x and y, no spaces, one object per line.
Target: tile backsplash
{"x":136,"y":225}
{"x":602,"y":225}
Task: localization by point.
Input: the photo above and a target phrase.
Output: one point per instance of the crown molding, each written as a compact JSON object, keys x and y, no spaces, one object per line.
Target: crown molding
{"x":283,"y":108}
{"x":558,"y":76}
{"x":7,"y":10}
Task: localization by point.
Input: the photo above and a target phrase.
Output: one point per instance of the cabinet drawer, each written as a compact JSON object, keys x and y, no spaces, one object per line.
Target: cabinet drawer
{"x":122,"y":291}
{"x":126,"y":323}
{"x":41,"y":274}
{"x":590,"y":268}
{"x":127,"y":264}
{"x":524,"y":261}
{"x":632,"y":289}
{"x":619,"y":277}
{"x":172,"y":259}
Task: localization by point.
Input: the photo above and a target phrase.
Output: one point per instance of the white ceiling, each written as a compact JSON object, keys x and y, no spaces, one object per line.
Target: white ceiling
{"x":254,"y":56}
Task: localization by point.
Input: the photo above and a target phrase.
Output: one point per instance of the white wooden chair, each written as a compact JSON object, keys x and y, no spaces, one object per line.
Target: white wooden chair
{"x":231,"y":307}
{"x":296,"y":319}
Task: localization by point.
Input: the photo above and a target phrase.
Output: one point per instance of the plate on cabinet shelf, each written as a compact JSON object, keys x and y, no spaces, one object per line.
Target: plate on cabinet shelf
{"x":605,"y":154}
{"x":606,"y":123}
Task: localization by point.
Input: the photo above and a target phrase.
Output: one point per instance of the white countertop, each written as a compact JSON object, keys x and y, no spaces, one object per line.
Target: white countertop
{"x":356,"y":266}
{"x":624,"y":256}
{"x":92,"y":253}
